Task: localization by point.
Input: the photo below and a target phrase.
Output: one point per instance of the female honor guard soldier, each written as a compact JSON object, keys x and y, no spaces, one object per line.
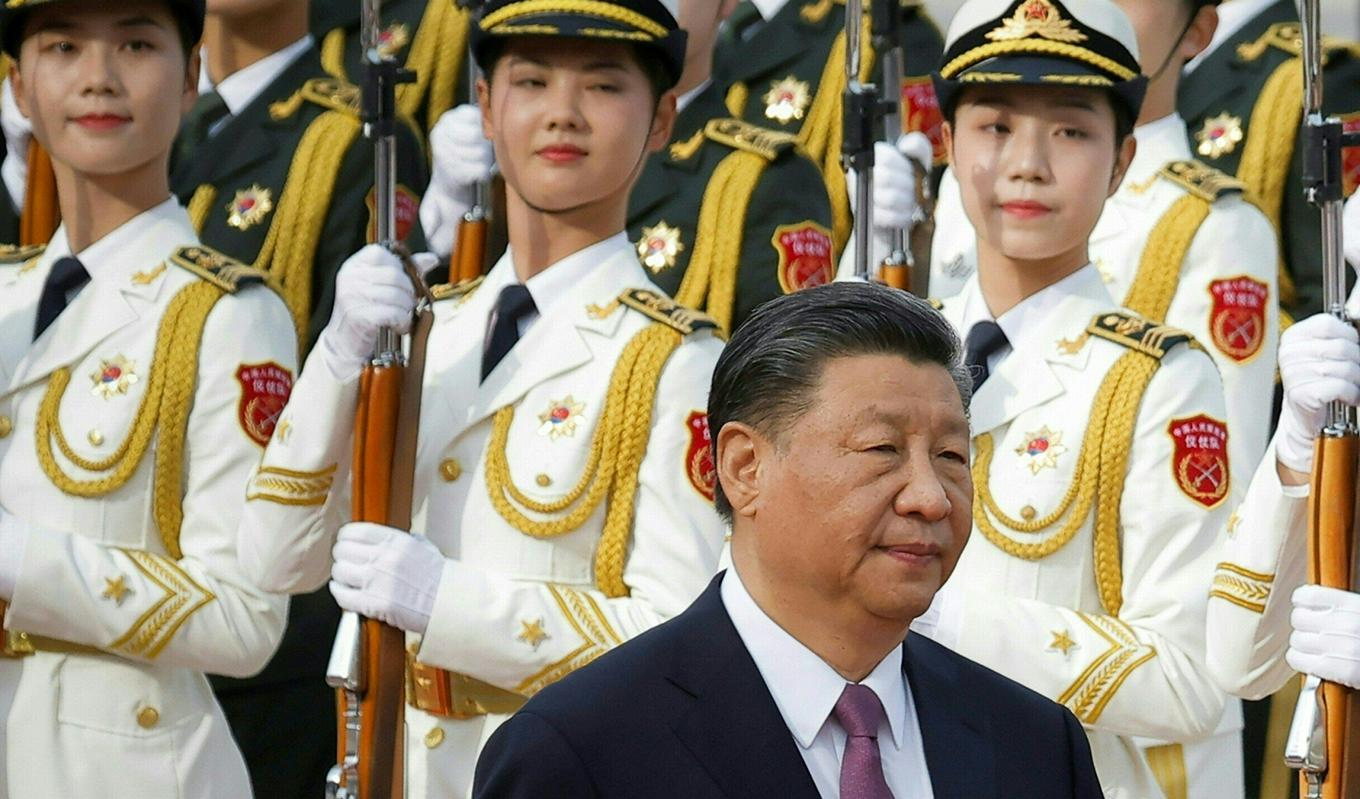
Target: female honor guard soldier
{"x":1085,"y":416}
{"x":141,"y":377}
{"x":562,"y":476}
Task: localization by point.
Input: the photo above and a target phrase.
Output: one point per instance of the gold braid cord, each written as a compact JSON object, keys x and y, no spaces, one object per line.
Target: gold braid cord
{"x":163,"y":415}
{"x":1098,"y":480}
{"x":201,"y":204}
{"x":333,"y":54}
{"x":612,"y":466}
{"x":710,"y":281}
{"x":1242,"y":587}
{"x":1268,"y":154}
{"x":1159,"y":270}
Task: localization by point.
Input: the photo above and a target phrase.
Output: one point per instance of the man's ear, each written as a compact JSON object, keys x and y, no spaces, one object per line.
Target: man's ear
{"x":1121,"y":163}
{"x":739,"y":448}
{"x":484,"y":103}
{"x":1199,"y":33}
{"x":663,"y":123}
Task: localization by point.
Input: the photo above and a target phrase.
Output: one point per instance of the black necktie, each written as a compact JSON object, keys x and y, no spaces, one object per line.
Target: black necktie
{"x":208,"y":110}
{"x":513,"y":304}
{"x":985,"y":339}
{"x":67,"y":275}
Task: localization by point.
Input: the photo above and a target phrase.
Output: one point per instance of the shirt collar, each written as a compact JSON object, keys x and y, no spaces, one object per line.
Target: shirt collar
{"x":1232,"y":17}
{"x":685,"y":99}
{"x":804,"y":687}
{"x":551,"y":285}
{"x":768,"y":8}
{"x":240,"y":88}
{"x":1026,"y":323}
{"x":151,"y":235}
{"x":1159,"y":142}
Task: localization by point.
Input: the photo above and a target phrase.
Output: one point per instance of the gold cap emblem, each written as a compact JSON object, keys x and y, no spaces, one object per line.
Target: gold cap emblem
{"x":1037,"y":18}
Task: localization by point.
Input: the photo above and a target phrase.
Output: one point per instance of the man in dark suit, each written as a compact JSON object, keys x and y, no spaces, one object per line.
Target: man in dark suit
{"x":841,"y":453}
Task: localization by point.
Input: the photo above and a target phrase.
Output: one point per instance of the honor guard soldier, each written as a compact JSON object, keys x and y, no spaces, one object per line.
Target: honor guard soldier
{"x":563,"y":483}
{"x":1085,"y":415}
{"x":1243,"y":100}
{"x":142,"y":373}
{"x":783,"y":63}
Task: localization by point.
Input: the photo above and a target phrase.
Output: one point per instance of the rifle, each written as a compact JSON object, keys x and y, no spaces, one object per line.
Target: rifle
{"x":41,"y":213}
{"x":1324,"y":737}
{"x":862,"y":110}
{"x":368,"y":659}
{"x":885,"y":26}
{"x":469,"y":256}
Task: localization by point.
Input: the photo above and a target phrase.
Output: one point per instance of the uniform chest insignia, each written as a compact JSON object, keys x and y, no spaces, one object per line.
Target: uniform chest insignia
{"x":116,"y":588}
{"x":532,"y":632}
{"x":699,"y":458}
{"x":1062,"y":642}
{"x":1219,"y":136}
{"x":787,"y":100}
{"x":392,"y":40}
{"x":1200,"y":458}
{"x":250,"y":207}
{"x":921,"y":113}
{"x":1350,"y":157}
{"x":805,"y":255}
{"x":659,"y":246}
{"x":1037,"y":18}
{"x":1041,"y":449}
{"x":114,"y":376}
{"x":1237,"y":320}
{"x":265,"y":388}
{"x":561,"y":418}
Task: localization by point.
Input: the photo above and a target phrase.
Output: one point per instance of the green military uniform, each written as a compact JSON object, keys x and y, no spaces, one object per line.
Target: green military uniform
{"x":790,"y":75}
{"x":428,"y":36}
{"x":730,"y":215}
{"x":285,"y":185}
{"x":1243,"y":106}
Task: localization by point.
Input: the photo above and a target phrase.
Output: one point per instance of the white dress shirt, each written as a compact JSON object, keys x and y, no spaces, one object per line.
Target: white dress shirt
{"x":1019,"y":320}
{"x":552,"y":284}
{"x":805,"y":689}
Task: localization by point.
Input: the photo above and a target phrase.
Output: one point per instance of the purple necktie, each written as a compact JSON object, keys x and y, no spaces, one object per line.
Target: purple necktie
{"x":859,"y":712}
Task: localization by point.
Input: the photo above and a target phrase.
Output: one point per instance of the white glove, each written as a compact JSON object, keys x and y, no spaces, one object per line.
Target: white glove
{"x":371,"y":292}
{"x":462,"y":158}
{"x":386,"y":574}
{"x":1350,"y":230}
{"x":18,"y":130}
{"x":894,"y":192}
{"x":1326,"y":638}
{"x":1319,"y":363}
{"x":13,"y":542}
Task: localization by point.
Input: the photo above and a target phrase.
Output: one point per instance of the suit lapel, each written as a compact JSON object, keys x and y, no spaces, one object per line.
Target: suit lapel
{"x":958,"y":750}
{"x":22,"y":290}
{"x":97,"y":312}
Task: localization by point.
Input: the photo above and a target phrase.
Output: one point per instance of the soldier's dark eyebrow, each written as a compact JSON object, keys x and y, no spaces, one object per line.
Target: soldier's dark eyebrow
{"x":134,"y":22}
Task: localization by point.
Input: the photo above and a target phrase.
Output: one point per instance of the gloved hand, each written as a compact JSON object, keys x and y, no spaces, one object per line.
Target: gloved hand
{"x":1326,"y":637}
{"x":18,"y":131}
{"x":894,"y":192}
{"x":1319,"y":363}
{"x":462,"y":158}
{"x":13,"y":541}
{"x":371,"y":292}
{"x":386,"y":574}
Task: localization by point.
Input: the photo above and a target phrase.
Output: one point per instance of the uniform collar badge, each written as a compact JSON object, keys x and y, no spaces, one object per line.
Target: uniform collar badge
{"x":787,"y":100}
{"x":250,"y":207}
{"x":561,"y":418}
{"x":1220,"y":135}
{"x":114,"y":376}
{"x":659,"y":246}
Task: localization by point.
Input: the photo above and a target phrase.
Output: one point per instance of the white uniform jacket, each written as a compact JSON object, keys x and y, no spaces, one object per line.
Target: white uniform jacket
{"x":513,"y":610}
{"x":125,"y":615}
{"x":1226,"y":295}
{"x":1108,"y":623}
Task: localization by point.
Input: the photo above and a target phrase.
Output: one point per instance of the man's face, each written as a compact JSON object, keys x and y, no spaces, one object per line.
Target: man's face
{"x":867,"y":499}
{"x":1035,"y":165}
{"x":105,"y":85}
{"x":571,"y":120}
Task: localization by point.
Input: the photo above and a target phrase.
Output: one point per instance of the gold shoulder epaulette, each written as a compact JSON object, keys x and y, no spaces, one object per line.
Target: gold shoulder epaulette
{"x":221,"y":271}
{"x":332,"y":94}
{"x":1202,"y":180}
{"x":741,"y":135}
{"x":11,"y":254}
{"x":1137,"y":333}
{"x":449,"y":291}
{"x":1288,"y":37}
{"x":665,"y":310}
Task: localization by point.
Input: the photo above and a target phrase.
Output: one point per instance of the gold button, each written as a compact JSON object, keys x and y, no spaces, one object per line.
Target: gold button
{"x":1028,"y":513}
{"x":6,"y":426}
{"x":148,"y":717}
{"x":543,"y":480}
{"x":96,"y":438}
{"x":434,"y":738}
{"x":450,"y":470}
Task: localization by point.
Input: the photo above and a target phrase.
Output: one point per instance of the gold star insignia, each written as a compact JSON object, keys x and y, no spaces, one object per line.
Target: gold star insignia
{"x":1062,"y":642}
{"x":532,"y":633}
{"x":115,"y":588}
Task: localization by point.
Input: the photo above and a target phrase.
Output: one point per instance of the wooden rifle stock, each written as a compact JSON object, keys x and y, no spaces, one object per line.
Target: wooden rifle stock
{"x":41,"y":214}
{"x":469,"y":256}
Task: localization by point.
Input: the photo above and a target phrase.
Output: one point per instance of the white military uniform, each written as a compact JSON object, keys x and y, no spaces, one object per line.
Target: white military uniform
{"x":118,"y":610}
{"x":1085,"y":575}
{"x":1226,"y":292}
{"x":514,"y":610}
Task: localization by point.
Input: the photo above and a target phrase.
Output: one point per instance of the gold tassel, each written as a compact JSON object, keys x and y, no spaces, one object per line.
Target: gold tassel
{"x":710,"y":281}
{"x":1269,"y":151}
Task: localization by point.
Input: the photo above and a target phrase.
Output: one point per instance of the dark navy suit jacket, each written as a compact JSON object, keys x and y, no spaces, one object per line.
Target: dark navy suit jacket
{"x":681,"y":712}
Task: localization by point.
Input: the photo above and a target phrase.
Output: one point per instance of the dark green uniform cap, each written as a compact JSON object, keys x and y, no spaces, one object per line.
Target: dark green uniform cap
{"x":645,"y":23}
{"x":189,"y":13}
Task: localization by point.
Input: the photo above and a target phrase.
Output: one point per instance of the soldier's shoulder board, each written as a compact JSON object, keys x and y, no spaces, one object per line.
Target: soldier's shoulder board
{"x":663,"y":309}
{"x":13,"y":255}
{"x":1287,"y":37}
{"x":456,"y":291}
{"x":330,"y":93}
{"x":1136,"y":333}
{"x":220,"y":270}
{"x":740,"y":135}
{"x":1202,"y":180}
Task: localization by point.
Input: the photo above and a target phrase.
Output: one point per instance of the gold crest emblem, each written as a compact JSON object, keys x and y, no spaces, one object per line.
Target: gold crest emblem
{"x":1041,"y":449}
{"x":114,"y":376}
{"x":659,"y":246}
{"x":1219,"y":136}
{"x":561,"y":418}
{"x":393,"y":39}
{"x":1037,"y":18}
{"x":249,"y":207}
{"x":787,"y":100}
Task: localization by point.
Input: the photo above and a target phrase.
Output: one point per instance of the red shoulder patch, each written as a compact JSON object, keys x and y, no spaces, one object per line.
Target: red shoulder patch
{"x":1350,"y":157}
{"x":408,"y":211}
{"x":921,"y":113}
{"x":264,"y":393}
{"x":1237,"y":320}
{"x":1199,"y":460}
{"x":805,"y":256}
{"x":699,"y":458}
